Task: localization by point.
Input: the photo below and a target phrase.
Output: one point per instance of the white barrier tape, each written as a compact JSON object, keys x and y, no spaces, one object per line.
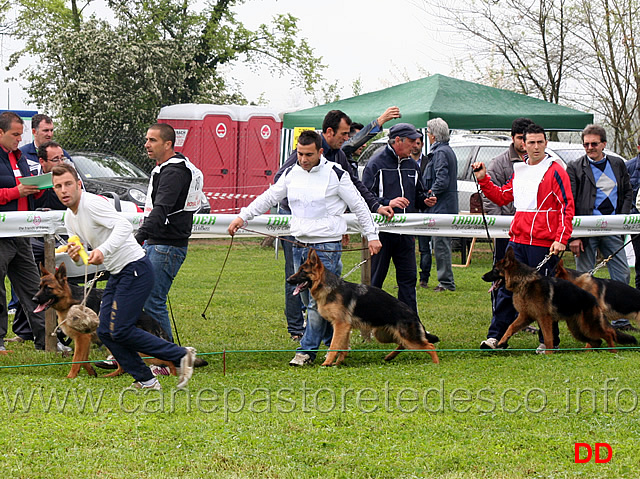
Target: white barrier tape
{"x":37,"y":223}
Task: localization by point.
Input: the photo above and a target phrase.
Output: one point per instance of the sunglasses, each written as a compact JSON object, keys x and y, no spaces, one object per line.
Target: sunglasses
{"x":592,"y":144}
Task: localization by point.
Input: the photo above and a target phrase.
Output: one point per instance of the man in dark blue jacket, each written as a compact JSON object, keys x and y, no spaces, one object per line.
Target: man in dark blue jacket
{"x":441,"y":181}
{"x":394,"y":177}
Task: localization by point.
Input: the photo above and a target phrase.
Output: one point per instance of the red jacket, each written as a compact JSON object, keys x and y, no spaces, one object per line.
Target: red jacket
{"x":550,"y":219}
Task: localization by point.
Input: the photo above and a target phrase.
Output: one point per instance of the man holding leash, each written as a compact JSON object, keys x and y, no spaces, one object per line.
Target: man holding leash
{"x":95,"y":220}
{"x":319,"y":192}
{"x":541,"y":193}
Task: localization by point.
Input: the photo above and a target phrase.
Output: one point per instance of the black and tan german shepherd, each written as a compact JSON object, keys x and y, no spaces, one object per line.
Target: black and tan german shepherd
{"x":547,"y":299}
{"x":617,"y":299}
{"x":56,"y":292}
{"x":349,"y":305}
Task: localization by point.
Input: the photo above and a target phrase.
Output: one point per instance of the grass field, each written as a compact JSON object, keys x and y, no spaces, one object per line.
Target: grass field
{"x":510,"y":414}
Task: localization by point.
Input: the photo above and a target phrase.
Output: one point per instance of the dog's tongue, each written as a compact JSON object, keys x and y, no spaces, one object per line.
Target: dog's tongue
{"x":41,"y":307}
{"x":494,"y":286}
{"x":298,"y":289}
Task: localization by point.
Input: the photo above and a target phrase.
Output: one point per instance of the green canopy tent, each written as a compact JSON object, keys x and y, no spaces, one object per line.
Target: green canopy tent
{"x":463,"y":105}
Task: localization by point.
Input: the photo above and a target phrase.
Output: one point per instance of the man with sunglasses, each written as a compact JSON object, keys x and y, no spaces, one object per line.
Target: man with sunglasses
{"x":601,"y":186}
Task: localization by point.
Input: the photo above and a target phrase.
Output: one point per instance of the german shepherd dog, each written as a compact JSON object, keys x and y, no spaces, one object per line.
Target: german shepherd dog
{"x":547,"y":299}
{"x":56,"y":292}
{"x":348,"y":305}
{"x":617,"y":299}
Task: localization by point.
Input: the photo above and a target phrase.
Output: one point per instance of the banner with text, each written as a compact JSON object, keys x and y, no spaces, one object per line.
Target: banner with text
{"x":39,"y":223}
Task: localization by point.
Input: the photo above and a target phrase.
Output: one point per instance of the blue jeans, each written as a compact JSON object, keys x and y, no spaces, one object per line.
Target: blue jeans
{"x":618,"y":267}
{"x":318,"y":329}
{"x":166,"y":261}
{"x":121,"y":306}
{"x":442,"y":252}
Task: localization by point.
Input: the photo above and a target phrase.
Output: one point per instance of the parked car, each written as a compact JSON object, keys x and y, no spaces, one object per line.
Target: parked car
{"x":470,"y":148}
{"x":112,"y":175}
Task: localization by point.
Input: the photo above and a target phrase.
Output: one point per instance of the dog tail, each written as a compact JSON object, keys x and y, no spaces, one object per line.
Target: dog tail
{"x":624,"y":338}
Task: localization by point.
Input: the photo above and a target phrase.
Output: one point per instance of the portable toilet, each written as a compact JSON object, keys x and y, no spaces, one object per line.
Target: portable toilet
{"x":235,"y":146}
{"x":258,"y":150}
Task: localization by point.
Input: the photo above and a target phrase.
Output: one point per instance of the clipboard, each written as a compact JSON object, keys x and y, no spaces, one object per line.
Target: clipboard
{"x":41,"y":181}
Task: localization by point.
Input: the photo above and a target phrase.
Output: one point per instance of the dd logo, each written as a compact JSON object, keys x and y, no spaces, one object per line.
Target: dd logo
{"x":598,"y":447}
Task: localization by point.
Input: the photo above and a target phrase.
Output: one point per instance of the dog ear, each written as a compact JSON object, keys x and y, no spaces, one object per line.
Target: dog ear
{"x":61,"y":274}
{"x":43,"y":270}
{"x":312,"y":257}
{"x":509,"y":254}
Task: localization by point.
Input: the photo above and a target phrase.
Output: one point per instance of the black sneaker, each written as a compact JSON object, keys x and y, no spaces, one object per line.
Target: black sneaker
{"x":109,"y":363}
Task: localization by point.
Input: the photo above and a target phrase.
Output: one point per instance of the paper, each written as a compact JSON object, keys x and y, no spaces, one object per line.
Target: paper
{"x":41,"y":181}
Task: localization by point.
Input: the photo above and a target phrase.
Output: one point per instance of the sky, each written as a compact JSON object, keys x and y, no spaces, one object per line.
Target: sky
{"x":380,"y":42}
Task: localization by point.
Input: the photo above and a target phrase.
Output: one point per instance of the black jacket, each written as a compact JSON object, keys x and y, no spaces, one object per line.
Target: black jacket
{"x":389,"y":177}
{"x":170,"y":190}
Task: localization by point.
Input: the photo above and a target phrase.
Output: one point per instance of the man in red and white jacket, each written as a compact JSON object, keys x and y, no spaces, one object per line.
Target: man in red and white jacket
{"x":541,"y":193}
{"x":16,"y":257}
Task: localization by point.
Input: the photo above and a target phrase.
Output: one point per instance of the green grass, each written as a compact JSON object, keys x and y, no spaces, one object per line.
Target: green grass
{"x":510,"y":414}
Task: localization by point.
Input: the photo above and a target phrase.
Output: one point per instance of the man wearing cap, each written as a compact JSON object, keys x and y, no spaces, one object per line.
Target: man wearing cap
{"x":395,"y":178}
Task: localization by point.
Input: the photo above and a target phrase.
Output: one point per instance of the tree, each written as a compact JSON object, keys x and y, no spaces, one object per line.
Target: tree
{"x":579,"y":52}
{"x":609,"y":41}
{"x":110,"y":78}
{"x":530,"y":36}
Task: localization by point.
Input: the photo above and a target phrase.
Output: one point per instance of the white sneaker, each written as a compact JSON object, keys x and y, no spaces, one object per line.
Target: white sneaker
{"x":300,"y":359}
{"x":154,"y":385}
{"x":62,"y":348}
{"x":542,"y":349}
{"x":490,"y":343}
{"x":186,"y":367}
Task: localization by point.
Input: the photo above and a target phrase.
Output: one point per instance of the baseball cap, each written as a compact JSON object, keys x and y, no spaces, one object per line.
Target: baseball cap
{"x":404,"y":130}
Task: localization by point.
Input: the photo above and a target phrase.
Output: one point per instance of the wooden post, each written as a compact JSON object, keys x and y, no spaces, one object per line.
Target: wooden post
{"x":365,"y":278}
{"x":51,"y":320}
{"x":365,"y":271}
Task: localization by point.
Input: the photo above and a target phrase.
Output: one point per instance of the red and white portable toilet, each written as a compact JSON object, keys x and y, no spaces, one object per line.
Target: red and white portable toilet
{"x":235,"y":146}
{"x":258,"y":150}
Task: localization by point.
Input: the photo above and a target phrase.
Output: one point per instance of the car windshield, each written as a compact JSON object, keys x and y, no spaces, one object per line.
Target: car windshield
{"x":104,"y":165}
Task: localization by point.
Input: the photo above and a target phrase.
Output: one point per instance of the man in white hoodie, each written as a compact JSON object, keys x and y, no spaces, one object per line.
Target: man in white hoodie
{"x":319,"y":192}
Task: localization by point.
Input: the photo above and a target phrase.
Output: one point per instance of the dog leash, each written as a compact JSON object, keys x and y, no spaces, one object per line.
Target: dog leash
{"x":218,"y":281}
{"x":484,"y":217}
{"x":605,"y":261}
{"x":355,"y":267}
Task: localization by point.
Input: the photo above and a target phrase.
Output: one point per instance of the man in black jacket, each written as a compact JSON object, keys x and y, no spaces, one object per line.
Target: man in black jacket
{"x":165,"y":231}
{"x":600,"y":186}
